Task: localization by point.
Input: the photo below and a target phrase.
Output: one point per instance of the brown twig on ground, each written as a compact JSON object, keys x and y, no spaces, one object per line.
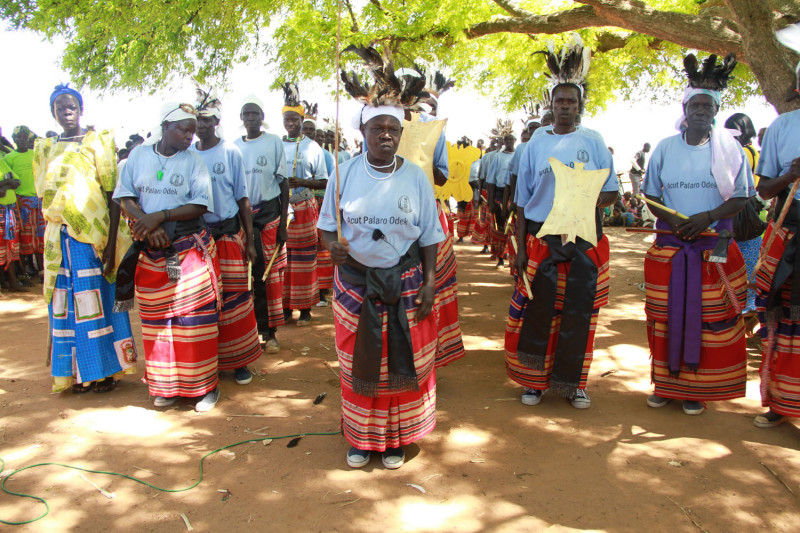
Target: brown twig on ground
{"x":776,"y":476}
{"x":686,"y":513}
{"x":335,"y":373}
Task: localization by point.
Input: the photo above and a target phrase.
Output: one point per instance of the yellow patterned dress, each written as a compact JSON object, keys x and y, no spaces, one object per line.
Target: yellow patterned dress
{"x":88,"y":341}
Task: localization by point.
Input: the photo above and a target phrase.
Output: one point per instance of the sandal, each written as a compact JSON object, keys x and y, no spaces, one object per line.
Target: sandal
{"x":79,"y":388}
{"x":105,"y":385}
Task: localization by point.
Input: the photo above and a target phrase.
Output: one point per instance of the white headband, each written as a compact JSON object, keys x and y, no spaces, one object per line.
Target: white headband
{"x":369,"y":112}
{"x":171,"y":112}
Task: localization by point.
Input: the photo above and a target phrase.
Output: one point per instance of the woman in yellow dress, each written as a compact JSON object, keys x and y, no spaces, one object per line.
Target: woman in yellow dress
{"x":76,"y":173}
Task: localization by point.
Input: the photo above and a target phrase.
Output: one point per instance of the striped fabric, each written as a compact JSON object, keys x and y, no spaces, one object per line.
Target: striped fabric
{"x":497,"y":240}
{"x":538,"y":252}
{"x":238,"y":343}
{"x":780,"y":346}
{"x":324,"y":263}
{"x":31,"y":239}
{"x":392,"y":419}
{"x":180,"y":320}
{"x":466,"y":219}
{"x":88,"y":341}
{"x":274,"y":281}
{"x":723,"y":372}
{"x":9,"y":248}
{"x":300,"y":284}
{"x":480,"y":229}
{"x":450,"y":346}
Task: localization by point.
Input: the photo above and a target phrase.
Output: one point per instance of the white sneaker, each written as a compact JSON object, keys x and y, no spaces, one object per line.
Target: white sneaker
{"x":357,"y":458}
{"x":532,"y":396}
{"x":160,"y":401}
{"x":581,"y":400}
{"x":208,"y":401}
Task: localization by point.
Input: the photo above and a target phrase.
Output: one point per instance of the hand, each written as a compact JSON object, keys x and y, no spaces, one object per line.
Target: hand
{"x":109,"y":257}
{"x":339,"y":251}
{"x":158,"y":238}
{"x":250,"y":252}
{"x":522,"y":259}
{"x":281,"y":236}
{"x":794,"y":169}
{"x":689,"y":230}
{"x":144,"y":226}
{"x":425,"y":298}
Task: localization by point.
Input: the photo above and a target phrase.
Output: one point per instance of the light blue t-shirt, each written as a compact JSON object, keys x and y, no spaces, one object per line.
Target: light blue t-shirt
{"x":402,"y":207}
{"x":680,"y":174}
{"x":310,"y":161}
{"x":513,"y":167}
{"x":498,"y":169}
{"x":264,"y":167}
{"x":536,"y":183}
{"x":486,"y":163}
{"x":185,"y":180}
{"x":329,"y":164}
{"x":228,"y":186}
{"x":781,"y":146}
{"x":473,"y":170}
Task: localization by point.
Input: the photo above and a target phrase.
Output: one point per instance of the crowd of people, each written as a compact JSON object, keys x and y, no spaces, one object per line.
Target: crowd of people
{"x":218,"y":243}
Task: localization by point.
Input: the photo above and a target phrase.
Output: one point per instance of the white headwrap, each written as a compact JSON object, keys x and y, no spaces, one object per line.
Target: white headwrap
{"x":369,"y":112}
{"x":726,"y":152}
{"x":171,"y":112}
{"x":253,"y":99}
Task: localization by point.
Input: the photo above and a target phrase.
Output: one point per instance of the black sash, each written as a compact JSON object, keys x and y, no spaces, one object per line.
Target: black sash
{"x":787,"y":266}
{"x":384,"y":284}
{"x":229,"y":226}
{"x":576,"y":315}
{"x":266,"y":212}
{"x":126,"y":273}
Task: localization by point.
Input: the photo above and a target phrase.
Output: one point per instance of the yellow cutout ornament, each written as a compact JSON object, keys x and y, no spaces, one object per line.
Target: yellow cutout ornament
{"x":575,"y":202}
{"x":418,"y":142}
{"x":459,"y":161}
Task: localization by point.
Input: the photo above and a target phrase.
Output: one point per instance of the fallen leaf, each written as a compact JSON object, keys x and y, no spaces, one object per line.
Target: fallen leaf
{"x":294,"y":442}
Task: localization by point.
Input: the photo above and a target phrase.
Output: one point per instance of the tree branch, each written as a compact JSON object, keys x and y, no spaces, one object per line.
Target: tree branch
{"x":512,"y":8}
{"x":354,"y":27}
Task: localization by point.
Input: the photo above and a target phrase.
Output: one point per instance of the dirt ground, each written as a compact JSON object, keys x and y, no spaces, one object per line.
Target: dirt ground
{"x":492,"y":464}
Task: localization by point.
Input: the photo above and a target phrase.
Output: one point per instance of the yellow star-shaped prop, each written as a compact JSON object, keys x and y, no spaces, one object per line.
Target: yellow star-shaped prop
{"x":575,"y":202}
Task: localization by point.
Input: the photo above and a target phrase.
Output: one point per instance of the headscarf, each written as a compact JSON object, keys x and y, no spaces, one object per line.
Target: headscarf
{"x":65,"y":89}
{"x":726,"y":152}
{"x":255,"y":100}
{"x":296,"y":108}
{"x":22,"y":130}
{"x":171,"y":112}
{"x":369,"y":112}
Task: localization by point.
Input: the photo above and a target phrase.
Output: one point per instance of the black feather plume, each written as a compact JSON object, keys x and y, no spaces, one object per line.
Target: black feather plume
{"x":710,"y":75}
{"x":321,"y":396}
{"x":387,"y":88}
{"x":294,"y":442}
{"x":291,"y":94}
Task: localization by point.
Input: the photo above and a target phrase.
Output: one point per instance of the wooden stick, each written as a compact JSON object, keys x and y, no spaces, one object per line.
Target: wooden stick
{"x":662,"y":207}
{"x":667,"y":231}
{"x":508,"y":222}
{"x":269,"y":265}
{"x":778,"y":224}
{"x":336,"y":138}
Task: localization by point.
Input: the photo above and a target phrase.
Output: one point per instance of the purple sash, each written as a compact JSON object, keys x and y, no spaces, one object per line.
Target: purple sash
{"x":685,"y":296}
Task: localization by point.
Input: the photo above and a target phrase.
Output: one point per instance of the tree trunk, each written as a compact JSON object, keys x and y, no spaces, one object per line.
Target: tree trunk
{"x":767,"y":58}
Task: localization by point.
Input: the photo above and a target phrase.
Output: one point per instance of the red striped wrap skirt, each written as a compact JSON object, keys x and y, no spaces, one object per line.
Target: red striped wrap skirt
{"x":466,"y":219}
{"x":238,"y":343}
{"x":300,"y":283}
{"x":448,"y":329}
{"x":324,"y":263}
{"x":180,"y":319}
{"x":31,"y":238}
{"x":538,"y":251}
{"x":274,"y":282}
{"x":480,"y":230}
{"x":722,"y":373}
{"x":780,"y":344}
{"x":392,"y":419}
{"x":9,"y":247}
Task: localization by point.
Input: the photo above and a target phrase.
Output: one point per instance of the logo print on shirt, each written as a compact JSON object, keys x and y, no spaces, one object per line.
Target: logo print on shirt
{"x":583,"y":156}
{"x":219,"y":168}
{"x":404,"y":204}
{"x":261,"y":161}
{"x":176,"y":180}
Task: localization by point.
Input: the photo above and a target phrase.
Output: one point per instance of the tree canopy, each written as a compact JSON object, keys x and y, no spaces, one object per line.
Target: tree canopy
{"x":638,"y":46}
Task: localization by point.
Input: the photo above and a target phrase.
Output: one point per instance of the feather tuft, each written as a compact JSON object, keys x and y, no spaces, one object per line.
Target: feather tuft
{"x":709,"y":75}
{"x":387,"y":89}
{"x":291,"y":94}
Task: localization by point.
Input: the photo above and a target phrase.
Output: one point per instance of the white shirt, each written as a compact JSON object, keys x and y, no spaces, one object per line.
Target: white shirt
{"x":264,"y":167}
{"x":226,"y":167}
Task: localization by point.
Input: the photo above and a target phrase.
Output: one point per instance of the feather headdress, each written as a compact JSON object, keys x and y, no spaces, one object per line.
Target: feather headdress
{"x":503,"y":129}
{"x":710,"y":76}
{"x":311,"y":111}
{"x":570,"y":66}
{"x":387,"y":89}
{"x":435,"y":82}
{"x":291,"y":99}
{"x":208,"y":103}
